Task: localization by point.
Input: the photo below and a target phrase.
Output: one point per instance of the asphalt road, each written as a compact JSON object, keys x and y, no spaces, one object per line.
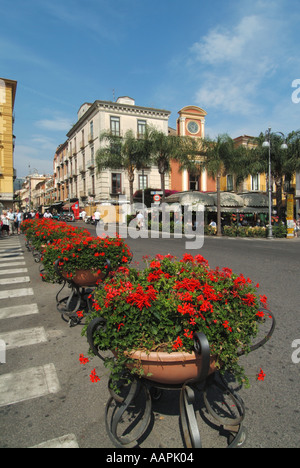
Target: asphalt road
{"x":70,"y":409}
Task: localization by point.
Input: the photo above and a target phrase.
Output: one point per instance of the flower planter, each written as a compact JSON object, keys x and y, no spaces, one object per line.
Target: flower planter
{"x":171,"y":368}
{"x":84,"y":278}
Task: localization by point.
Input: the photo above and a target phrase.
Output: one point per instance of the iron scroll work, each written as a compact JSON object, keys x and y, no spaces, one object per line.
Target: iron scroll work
{"x":136,"y":400}
{"x":77,"y":299}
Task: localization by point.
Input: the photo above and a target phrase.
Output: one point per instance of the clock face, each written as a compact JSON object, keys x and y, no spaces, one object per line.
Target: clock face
{"x":193,"y":127}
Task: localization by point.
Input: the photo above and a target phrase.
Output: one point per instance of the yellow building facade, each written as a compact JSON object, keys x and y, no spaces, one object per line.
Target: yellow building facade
{"x":7,"y":174}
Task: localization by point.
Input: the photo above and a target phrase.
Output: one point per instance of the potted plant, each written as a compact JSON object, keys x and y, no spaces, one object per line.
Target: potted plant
{"x":155,"y":314}
{"x":40,"y":232}
{"x":83,"y":259}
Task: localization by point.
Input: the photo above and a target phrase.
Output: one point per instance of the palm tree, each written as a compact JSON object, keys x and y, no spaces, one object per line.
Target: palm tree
{"x":284,"y":162}
{"x":219,"y":158}
{"x":126,"y":153}
{"x":168,"y":148}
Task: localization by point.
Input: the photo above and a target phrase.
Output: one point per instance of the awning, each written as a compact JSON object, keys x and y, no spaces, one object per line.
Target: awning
{"x":237,"y":210}
{"x":67,"y":206}
{"x":228,"y":199}
{"x":191,"y":198}
{"x":255,"y":199}
{"x":57,"y":204}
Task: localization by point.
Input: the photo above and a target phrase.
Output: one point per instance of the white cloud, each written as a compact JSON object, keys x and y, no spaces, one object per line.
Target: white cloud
{"x":235,"y":65}
{"x":224,"y":45}
{"x":55,"y":124}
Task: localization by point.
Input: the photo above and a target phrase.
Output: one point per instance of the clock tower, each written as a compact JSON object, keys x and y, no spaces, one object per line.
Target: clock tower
{"x":191,"y":122}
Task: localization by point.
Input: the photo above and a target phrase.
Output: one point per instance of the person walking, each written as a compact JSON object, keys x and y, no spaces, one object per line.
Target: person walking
{"x":18,"y":221}
{"x":11,"y":217}
{"x":5,"y":224}
{"x":97,"y":217}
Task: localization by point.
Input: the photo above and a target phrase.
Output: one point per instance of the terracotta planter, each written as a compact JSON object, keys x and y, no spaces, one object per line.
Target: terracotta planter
{"x":174,"y":368}
{"x":84,"y":277}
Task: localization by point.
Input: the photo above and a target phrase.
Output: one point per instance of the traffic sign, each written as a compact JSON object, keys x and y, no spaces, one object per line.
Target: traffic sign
{"x":156,"y":198}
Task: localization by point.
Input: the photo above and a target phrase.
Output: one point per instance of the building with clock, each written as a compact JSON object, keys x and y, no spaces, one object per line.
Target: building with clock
{"x":191,"y":122}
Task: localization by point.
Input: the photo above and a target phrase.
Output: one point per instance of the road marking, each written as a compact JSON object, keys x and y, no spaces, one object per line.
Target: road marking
{"x":17,"y":279}
{"x":18,"y":311}
{"x":67,"y":441}
{"x":10,"y":243}
{"x":13,"y":271}
{"x":4,"y":258}
{"x":16,"y":293}
{"x":28,"y":384}
{"x":12,"y":264}
{"x":25,"y":337}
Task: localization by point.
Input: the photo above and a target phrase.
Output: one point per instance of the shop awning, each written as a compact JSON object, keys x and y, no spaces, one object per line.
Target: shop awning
{"x":228,"y":199}
{"x":255,"y":199}
{"x":191,"y":198}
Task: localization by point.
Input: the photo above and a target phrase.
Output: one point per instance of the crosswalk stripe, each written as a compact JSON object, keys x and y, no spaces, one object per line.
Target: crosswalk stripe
{"x":67,"y":441}
{"x":17,"y":279}
{"x":16,"y":293}
{"x":4,"y":258}
{"x":13,"y":271}
{"x":24,"y":337}
{"x":18,"y":311}
{"x":28,"y":384}
{"x":12,"y":264}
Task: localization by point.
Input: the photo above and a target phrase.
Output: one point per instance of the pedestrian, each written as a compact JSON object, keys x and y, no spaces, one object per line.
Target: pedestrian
{"x":83,"y":215}
{"x":11,"y":217}
{"x":47,"y":215}
{"x":97,"y":217}
{"x":140,"y":220}
{"x":298,"y":227}
{"x":18,"y":221}
{"x":5,"y":224}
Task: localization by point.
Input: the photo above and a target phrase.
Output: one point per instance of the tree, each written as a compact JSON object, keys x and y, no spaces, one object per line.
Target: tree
{"x":126,"y":153}
{"x":219,"y":158}
{"x":284,"y":162}
{"x":168,"y":148}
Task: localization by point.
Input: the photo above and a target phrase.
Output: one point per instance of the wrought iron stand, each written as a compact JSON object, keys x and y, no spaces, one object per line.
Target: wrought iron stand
{"x":133,"y":402}
{"x":78,"y":299}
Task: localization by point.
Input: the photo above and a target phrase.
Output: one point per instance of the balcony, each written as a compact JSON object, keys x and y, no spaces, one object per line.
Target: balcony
{"x":82,"y":194}
{"x":91,"y":164}
{"x":82,"y":144}
{"x":91,"y":138}
{"x":82,"y":169}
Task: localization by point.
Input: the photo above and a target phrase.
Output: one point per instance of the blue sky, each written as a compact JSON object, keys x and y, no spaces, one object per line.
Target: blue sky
{"x":235,"y":59}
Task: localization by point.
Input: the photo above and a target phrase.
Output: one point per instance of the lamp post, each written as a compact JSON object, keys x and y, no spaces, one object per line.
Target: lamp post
{"x":267,"y":144}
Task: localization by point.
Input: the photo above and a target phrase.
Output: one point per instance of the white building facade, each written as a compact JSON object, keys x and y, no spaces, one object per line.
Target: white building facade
{"x":78,"y":165}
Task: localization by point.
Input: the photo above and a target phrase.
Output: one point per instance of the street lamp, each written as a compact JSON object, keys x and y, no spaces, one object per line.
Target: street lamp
{"x":267,"y":144}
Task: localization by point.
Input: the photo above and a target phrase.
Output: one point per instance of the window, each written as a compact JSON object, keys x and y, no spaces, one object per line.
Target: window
{"x":255,"y":182}
{"x":141,"y":128}
{"x":91,"y":136}
{"x":116,"y":183}
{"x":92,"y":154}
{"x":229,"y":183}
{"x":194,"y":182}
{"x":115,"y":126}
{"x":143,"y":181}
